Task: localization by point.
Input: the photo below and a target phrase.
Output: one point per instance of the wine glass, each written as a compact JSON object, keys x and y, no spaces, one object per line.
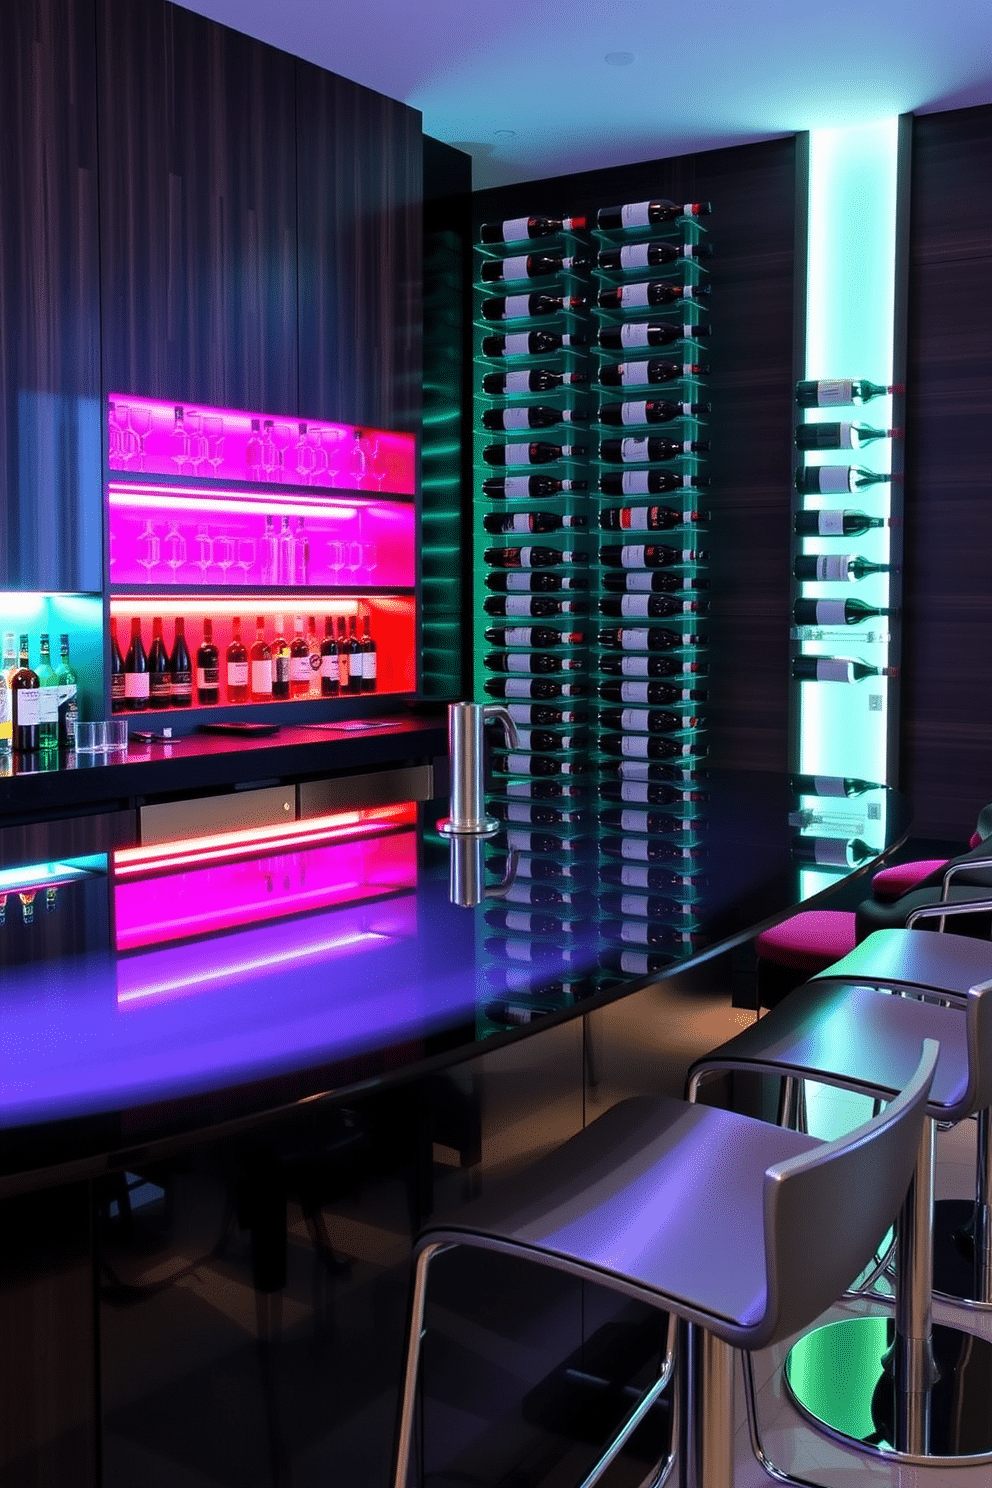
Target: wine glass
{"x":336,"y":560}
{"x":141,"y":426}
{"x":204,"y":551}
{"x":357,"y":462}
{"x":199,"y":445}
{"x":149,"y":549}
{"x":225,"y":554}
{"x":282,"y":438}
{"x":246,"y":550}
{"x":213,"y":429}
{"x":175,"y":549}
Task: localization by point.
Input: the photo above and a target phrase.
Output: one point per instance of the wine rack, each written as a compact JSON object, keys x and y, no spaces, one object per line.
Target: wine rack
{"x":593,"y":634}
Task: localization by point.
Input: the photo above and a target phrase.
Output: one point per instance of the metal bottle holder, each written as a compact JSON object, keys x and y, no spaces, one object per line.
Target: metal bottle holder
{"x":468,"y":826}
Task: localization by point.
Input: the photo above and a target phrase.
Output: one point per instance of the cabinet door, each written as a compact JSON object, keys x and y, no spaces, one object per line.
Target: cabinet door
{"x":197,"y":209}
{"x":49,"y":298}
{"x":360,"y":192}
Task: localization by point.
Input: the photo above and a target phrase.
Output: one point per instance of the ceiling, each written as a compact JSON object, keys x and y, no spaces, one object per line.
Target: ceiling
{"x":534,"y":88}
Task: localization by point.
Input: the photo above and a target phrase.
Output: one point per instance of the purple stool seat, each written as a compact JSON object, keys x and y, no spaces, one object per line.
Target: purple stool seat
{"x":808,"y":941}
{"x":892,"y":883}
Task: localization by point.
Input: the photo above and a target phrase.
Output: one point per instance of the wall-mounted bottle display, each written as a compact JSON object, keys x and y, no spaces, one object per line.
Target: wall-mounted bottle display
{"x":50,"y":673}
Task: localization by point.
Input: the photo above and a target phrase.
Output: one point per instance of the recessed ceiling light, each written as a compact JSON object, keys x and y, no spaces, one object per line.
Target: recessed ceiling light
{"x":504,"y":134}
{"x":619,"y":59}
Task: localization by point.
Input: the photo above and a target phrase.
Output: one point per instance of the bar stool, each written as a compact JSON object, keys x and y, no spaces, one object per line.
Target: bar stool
{"x":721,"y":1220}
{"x":891,"y":883}
{"x":792,"y":950}
{"x":920,"y":1391}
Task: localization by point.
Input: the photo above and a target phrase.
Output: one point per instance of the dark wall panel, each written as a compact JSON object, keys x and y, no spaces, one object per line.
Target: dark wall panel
{"x":752,"y":189}
{"x":947,"y":659}
{"x":198,"y":209}
{"x":360,"y":247}
{"x":49,"y":298}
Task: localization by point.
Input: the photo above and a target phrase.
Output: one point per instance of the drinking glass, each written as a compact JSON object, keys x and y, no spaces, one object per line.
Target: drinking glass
{"x":204,"y":550}
{"x":199,"y":445}
{"x":175,"y":549}
{"x":246,"y":550}
{"x":149,"y":549}
{"x":224,"y":549}
{"x":141,"y":427}
{"x":336,"y":560}
{"x":213,"y":429}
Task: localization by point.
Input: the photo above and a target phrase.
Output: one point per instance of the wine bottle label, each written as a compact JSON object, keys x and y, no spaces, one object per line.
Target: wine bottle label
{"x":329,"y":667}
{"x":831,"y":524}
{"x":633,"y":821}
{"x":634,"y":790}
{"x":847,"y":437}
{"x":5,"y":713}
{"x":637,"y":848}
{"x":635,"y":482}
{"x":634,"y":904}
{"x":518,"y":663}
{"x":634,"y":719}
{"x":634,"y":963}
{"x":632,"y":556}
{"x":636,"y":747}
{"x":633,"y":450}
{"x":833,"y":394}
{"x":48,"y":705}
{"x":516,"y":813}
{"x":518,"y":581}
{"x":519,"y":764}
{"x":633,"y":335}
{"x":515,"y":607}
{"x":513,"y":687}
{"x":237,"y":673}
{"x":182,"y":684}
{"x":517,"y":344}
{"x":829,"y":785}
{"x":516,"y":382}
{"x":633,"y":640}
{"x":516,"y":454}
{"x":515,"y":267}
{"x":640,"y":582}
{"x":515,"y":229}
{"x":371,"y":666}
{"x":833,"y":568}
{"x":137,"y":685}
{"x":515,"y":305}
{"x":635,"y":296}
{"x":117,"y":686}
{"x":831,"y":851}
{"x":635,"y":666}
{"x":830,"y":612}
{"x":633,"y":876}
{"x":833,"y":669}
{"x":518,"y":950}
{"x":299,"y":669}
{"x":636,"y":214}
{"x":515,"y":920}
{"x":633,"y":934}
{"x":27,"y":706}
{"x":516,"y":418}
{"x":636,"y":606}
{"x":634,"y":256}
{"x":519,"y":522}
{"x":833,"y":478}
{"x":207,"y":677}
{"x":517,"y":635}
{"x":633,"y":413}
{"x":261,"y":676}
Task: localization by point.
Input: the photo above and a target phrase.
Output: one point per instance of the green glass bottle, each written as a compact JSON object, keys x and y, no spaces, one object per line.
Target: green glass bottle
{"x":68,"y":696}
{"x":48,"y":703}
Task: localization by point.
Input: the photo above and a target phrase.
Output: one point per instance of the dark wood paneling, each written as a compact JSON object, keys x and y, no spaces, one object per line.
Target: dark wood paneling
{"x":198,"y":209}
{"x":752,"y":189}
{"x":947,"y":659}
{"x":49,"y":298}
{"x":360,"y":244}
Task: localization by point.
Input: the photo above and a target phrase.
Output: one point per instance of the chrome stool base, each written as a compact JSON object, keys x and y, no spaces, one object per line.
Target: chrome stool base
{"x":956,"y":1274}
{"x":837,"y":1376}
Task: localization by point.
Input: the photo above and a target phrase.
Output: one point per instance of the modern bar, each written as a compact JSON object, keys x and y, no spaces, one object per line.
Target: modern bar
{"x":495,"y":880}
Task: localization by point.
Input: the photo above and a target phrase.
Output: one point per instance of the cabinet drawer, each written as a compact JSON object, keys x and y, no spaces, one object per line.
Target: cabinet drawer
{"x":171,"y":821}
{"x":378,"y":788}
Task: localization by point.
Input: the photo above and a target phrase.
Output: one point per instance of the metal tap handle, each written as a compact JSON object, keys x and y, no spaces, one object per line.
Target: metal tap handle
{"x":496,"y":713}
{"x":466,"y":751}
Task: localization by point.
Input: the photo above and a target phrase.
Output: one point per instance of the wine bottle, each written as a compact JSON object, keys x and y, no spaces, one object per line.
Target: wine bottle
{"x":535,"y":453}
{"x":649,"y":747}
{"x":632,"y":451}
{"x":548,"y":717}
{"x":510,"y":487}
{"x":629,"y":665}
{"x":638,"y":336}
{"x":301,"y":554}
{"x":286,"y":553}
{"x":647,"y":518}
{"x":537,"y":380}
{"x":519,"y":229}
{"x":830,"y":393}
{"x":829,"y":480}
{"x":313,"y":656}
{"x":270,"y":551}
{"x":117,"y":681}
{"x":159,"y":680}
{"x":180,"y":668}
{"x":540,"y":636}
{"x":559,"y":870}
{"x":539,"y":764}
{"x":646,"y":720}
{"x":521,"y":606}
{"x":648,"y":213}
{"x":836,"y":669}
{"x":261,"y":665}
{"x":534,"y":581}
{"x":648,"y":293}
{"x":634,"y":963}
{"x":633,"y":256}
{"x":639,"y":374}
{"x":649,"y":411}
{"x":649,"y":556}
{"x":528,"y":343}
{"x":579,"y":901}
{"x":344,"y":658}
{"x":237,"y":673}
{"x":648,"y":482}
{"x":531,"y":661}
{"x":643,"y":906}
{"x":540,"y":842}
{"x":531,"y":416}
{"x":25,"y":704}
{"x":370,"y":657}
{"x":835,"y":611}
{"x":542,"y":790}
{"x":642,"y":876}
{"x":6,"y":714}
{"x":648,"y":793}
{"x":533,"y":557}
{"x":356,"y":659}
{"x":299,"y":661}
{"x":48,"y":699}
{"x":836,"y":523}
{"x":627,"y":819}
{"x":530,"y":521}
{"x":207,"y":668}
{"x":839,"y":436}
{"x":524,"y":922}
{"x":536,"y":687}
{"x":329,"y":675}
{"x":832,"y":852}
{"x":540,"y":951}
{"x":551,"y":741}
{"x":649,"y":693}
{"x":514,"y":307}
{"x":826,"y":568}
{"x":531,"y":266}
{"x":279,"y":652}
{"x":831,"y":785}
{"x":650,"y":607}
{"x":682,"y":774}
{"x":650,"y":850}
{"x":646,"y":933}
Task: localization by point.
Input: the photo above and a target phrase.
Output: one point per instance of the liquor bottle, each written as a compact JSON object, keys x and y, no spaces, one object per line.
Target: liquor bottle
{"x":647,"y":518}
{"x":253,"y":452}
{"x":531,"y":416}
{"x":646,"y":720}
{"x":528,"y":343}
{"x":831,"y":785}
{"x":650,"y":292}
{"x":829,"y":480}
{"x":370,"y":657}
{"x":639,"y":374}
{"x":137,"y":686}
{"x":531,"y":661}
{"x":835,"y":611}
{"x":534,"y":581}
{"x":180,"y":669}
{"x":48,"y":699}
{"x":27,"y":897}
{"x":238,"y":673}
{"x":531,"y":266}
{"x":828,"y":393}
{"x":533,"y":557}
{"x":207,"y":668}
{"x":649,"y":747}
{"x":118,"y":694}
{"x":159,"y":680}
{"x":179,"y":443}
{"x":632,"y":451}
{"x":836,"y":523}
{"x":329,"y":674}
{"x":651,"y":555}
{"x":648,"y":850}
{"x":313,"y":656}
{"x":270,"y":551}
{"x":541,"y":636}
{"x":648,"y":482}
{"x":831,"y":852}
{"x":279,"y":651}
{"x":546,"y":717}
{"x":299,"y":661}
{"x":301,"y":554}
{"x":830,"y":568}
{"x":261,"y":665}
{"x":344,"y":657}
{"x":287,"y":553}
{"x":839,"y":436}
{"x":537,"y":380}
{"x":519,"y":229}
{"x":535,"y":453}
{"x":648,"y":214}
{"x":6,"y":717}
{"x":9,"y":655}
{"x":68,"y":696}
{"x":522,"y":606}
{"x":633,"y":256}
{"x":513,"y":307}
{"x":650,"y":411}
{"x":650,"y":693}
{"x":533,"y":687}
{"x":530,"y":521}
{"x":511,"y":487}
{"x":650,"y":607}
{"x":356,"y":659}
{"x":648,"y":793}
{"x":836,"y":669}
{"x":25,"y":704}
{"x":646,"y":666}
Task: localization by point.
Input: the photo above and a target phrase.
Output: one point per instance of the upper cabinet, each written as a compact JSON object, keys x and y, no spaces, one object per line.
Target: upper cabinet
{"x":50,"y":407}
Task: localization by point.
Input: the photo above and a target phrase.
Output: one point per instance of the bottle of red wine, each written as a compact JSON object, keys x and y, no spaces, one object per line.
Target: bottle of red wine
{"x":548,"y":717}
{"x":524,"y":922}
{"x":551,"y":741}
{"x":828,"y":480}
{"x":649,"y":638}
{"x":648,"y":482}
{"x":117,"y":679}
{"x":531,"y":557}
{"x":650,"y":693}
{"x":648,"y":214}
{"x":207,"y":668}
{"x":831,"y":785}
{"x":537,"y":380}
{"x":647,"y":518}
{"x":521,"y":606}
{"x":159,"y":681}
{"x":636,"y":335}
{"x":648,"y":793}
{"x":650,"y":607}
{"x":643,"y":906}
{"x":646,"y":933}
{"x":835,"y":612}
{"x":541,"y":790}
{"x":631,"y":451}
{"x":529,"y":343}
{"x":539,"y":764}
{"x":832,"y":852}
{"x":530,"y":521}
{"x":541,"y":842}
{"x":136,"y":681}
{"x":836,"y":669}
{"x":534,"y":582}
{"x":632,"y":666}
{"x":829,"y":568}
{"x":531,"y":661}
{"x":535,"y":453}
{"x":541,"y":636}
{"x":649,"y":747}
{"x":579,"y":901}
{"x":652,"y":555}
{"x":682,"y":774}
{"x":839,"y":436}
{"x":535,"y":416}
{"x":531,"y":266}
{"x":180,"y":669}
{"x":655,"y":581}
{"x":630,"y":962}
{"x":832,"y":393}
{"x":541,"y":951}
{"x":836,"y":523}
{"x":514,"y":307}
{"x":645,"y":720}
{"x":533,"y":687}
{"x":637,"y":374}
{"x":634,"y":256}
{"x":649,"y":292}
{"x":519,"y":229}
{"x":652,"y":411}
{"x":646,"y":850}
{"x":510,"y":487}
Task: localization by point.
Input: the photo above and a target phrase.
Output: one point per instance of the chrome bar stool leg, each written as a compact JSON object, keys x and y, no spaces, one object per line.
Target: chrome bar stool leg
{"x":963,"y":1230}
